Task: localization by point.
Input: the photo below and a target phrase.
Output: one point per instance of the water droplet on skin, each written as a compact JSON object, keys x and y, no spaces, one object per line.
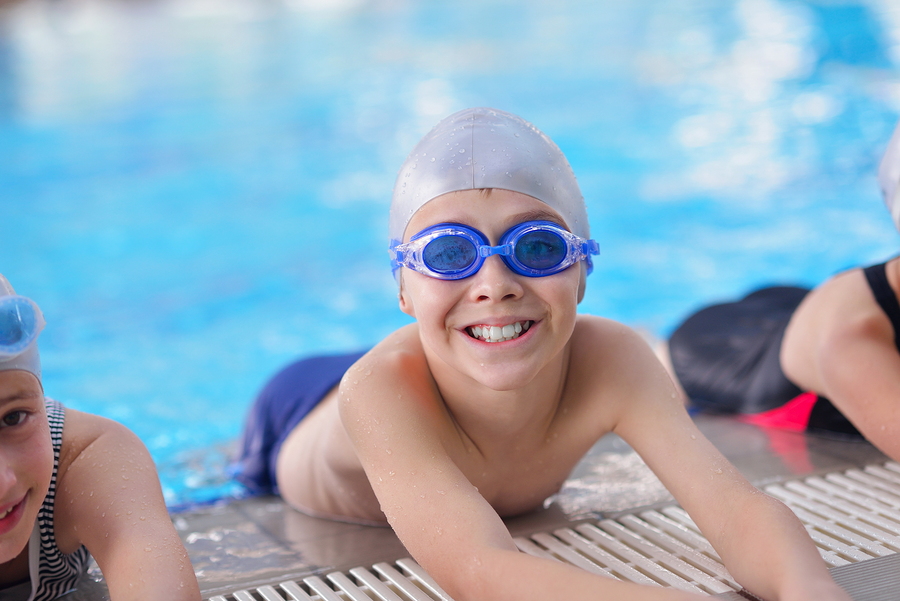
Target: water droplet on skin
{"x":388,"y":451}
{"x":432,"y":159}
{"x":440,"y":492}
{"x":391,"y":473}
{"x":717,"y":471}
{"x":693,"y":437}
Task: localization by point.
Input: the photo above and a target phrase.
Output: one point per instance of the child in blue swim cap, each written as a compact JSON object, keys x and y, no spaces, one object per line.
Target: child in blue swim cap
{"x":481,"y":408}
{"x":74,"y":485}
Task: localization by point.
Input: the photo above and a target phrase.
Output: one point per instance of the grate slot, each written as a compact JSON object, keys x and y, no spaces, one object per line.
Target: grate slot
{"x":615,"y":566}
{"x":663,"y":558}
{"x":401,"y":582}
{"x":682,"y":533}
{"x":878,"y":483}
{"x":569,"y":554}
{"x":853,"y":510}
{"x":526,"y":546}
{"x":295,"y":592}
{"x":375,"y":584}
{"x":850,"y":523}
{"x":353,"y":592}
{"x":268,"y":593}
{"x":655,"y":571}
{"x":321,"y":588}
{"x":678,"y":548}
{"x":865,"y":503}
{"x":416,"y":572}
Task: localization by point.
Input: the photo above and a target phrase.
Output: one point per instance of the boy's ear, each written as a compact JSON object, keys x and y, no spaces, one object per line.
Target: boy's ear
{"x":405,"y":302}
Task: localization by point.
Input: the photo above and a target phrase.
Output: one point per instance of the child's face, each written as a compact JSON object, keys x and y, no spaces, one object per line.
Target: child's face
{"x":448,"y":311}
{"x":26,"y":459}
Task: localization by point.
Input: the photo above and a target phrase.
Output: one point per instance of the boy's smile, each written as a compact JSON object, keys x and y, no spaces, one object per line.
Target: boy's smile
{"x":499,"y":333}
{"x":496,"y":326}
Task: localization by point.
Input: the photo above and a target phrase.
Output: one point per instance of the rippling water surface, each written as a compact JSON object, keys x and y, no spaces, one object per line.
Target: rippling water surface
{"x":196,"y":191}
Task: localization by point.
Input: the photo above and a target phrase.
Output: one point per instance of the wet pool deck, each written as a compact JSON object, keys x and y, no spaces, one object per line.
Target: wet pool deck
{"x":247,"y":543}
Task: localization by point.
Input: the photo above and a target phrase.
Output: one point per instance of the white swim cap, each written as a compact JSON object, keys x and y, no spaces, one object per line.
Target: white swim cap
{"x":21,"y":322}
{"x":486,"y":148}
{"x":889,"y":176}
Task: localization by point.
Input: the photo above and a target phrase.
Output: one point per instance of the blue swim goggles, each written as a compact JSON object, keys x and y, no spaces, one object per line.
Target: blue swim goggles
{"x":21,"y":321}
{"x":451,"y":251}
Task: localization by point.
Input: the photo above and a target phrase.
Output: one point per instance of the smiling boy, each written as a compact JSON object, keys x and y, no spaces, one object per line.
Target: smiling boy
{"x":481,"y":408}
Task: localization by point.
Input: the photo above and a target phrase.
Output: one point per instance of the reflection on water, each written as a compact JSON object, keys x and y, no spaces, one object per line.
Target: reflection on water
{"x":196,"y":191}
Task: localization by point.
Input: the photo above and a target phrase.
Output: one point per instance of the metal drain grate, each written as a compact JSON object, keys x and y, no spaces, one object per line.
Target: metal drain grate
{"x":852,"y":516}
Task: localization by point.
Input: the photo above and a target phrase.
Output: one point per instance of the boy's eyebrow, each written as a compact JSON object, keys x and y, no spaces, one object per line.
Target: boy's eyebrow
{"x":540,"y":215}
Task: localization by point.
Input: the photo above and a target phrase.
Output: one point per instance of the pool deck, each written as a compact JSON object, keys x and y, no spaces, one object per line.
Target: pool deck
{"x":252,"y":542}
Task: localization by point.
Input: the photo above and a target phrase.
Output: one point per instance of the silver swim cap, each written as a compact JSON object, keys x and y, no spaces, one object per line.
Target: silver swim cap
{"x":889,"y":176}
{"x":21,"y":321}
{"x":486,"y":148}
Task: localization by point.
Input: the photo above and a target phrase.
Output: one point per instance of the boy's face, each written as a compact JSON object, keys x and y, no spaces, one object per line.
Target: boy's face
{"x":26,"y":459}
{"x":448,"y":311}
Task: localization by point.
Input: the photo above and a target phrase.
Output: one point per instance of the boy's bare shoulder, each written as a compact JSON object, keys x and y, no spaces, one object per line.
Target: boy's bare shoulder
{"x":614,"y":366}
{"x":396,"y":365}
{"x":617,"y":345}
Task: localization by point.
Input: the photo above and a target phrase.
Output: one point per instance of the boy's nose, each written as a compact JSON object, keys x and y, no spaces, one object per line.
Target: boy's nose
{"x":495,"y":281}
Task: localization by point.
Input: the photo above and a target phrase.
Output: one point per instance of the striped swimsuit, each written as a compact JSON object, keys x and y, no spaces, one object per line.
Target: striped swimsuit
{"x":52,"y":572}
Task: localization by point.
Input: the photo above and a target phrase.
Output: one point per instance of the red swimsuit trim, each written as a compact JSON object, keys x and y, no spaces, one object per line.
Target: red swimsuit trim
{"x":793,"y":415}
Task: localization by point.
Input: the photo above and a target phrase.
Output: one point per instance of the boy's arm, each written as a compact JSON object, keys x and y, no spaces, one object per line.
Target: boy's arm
{"x":441,"y":518}
{"x":113,"y":504}
{"x":763,"y":544}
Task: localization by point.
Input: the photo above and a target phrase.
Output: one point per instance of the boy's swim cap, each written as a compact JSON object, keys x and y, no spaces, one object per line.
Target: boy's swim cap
{"x":889,"y":176}
{"x":20,"y":323}
{"x":486,"y":148}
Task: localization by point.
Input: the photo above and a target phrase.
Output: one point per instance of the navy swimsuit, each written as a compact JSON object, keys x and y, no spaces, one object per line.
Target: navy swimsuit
{"x":284,"y":401}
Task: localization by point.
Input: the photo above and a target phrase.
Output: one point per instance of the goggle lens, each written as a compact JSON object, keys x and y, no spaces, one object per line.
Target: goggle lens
{"x":449,"y":254}
{"x":20,"y":323}
{"x":540,"y":249}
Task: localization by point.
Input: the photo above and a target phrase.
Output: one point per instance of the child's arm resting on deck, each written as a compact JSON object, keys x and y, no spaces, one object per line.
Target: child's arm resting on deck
{"x":441,"y":518}
{"x":115,"y":504}
{"x":762,"y":543}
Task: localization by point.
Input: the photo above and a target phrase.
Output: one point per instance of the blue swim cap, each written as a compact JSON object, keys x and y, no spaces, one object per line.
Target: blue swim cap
{"x":21,"y":321}
{"x":485,"y":148}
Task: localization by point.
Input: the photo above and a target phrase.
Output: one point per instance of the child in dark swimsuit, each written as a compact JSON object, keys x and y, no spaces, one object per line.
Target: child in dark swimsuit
{"x":826,"y":361}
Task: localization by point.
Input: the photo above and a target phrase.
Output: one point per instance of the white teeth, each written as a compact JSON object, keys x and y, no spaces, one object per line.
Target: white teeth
{"x":499,"y":333}
{"x":6,"y":513}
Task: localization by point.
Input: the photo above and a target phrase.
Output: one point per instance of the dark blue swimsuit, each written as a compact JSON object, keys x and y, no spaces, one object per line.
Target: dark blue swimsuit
{"x":284,"y":401}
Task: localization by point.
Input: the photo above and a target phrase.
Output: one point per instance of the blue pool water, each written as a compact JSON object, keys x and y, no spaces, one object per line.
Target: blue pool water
{"x":196,"y":191}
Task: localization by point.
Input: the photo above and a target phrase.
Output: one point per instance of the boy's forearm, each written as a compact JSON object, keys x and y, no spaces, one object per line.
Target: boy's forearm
{"x":769,"y":552}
